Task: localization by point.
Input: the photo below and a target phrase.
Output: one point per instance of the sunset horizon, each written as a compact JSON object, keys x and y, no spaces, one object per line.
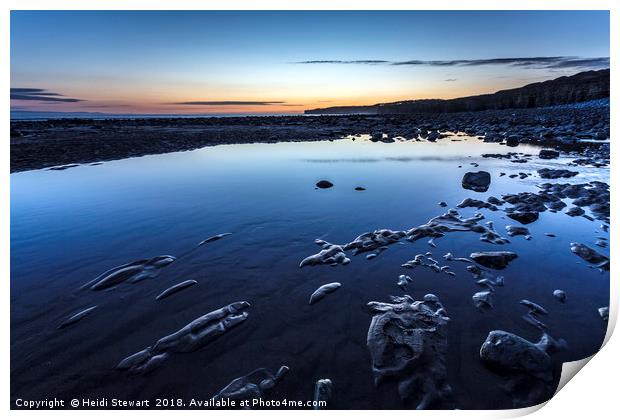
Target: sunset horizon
{"x":280,"y":64}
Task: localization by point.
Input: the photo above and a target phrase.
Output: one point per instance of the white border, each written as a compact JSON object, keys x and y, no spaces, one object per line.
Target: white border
{"x":594,"y":394}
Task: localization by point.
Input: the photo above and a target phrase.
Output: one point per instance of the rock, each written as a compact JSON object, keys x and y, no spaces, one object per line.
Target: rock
{"x":215,"y":238}
{"x":323,"y":291}
{"x":330,"y":254}
{"x":360,"y":189}
{"x":443,"y":204}
{"x":472,"y":202}
{"x":512,"y":141}
{"x":497,"y":260}
{"x":76,"y":317}
{"x":495,"y":201}
{"x":322,"y":393}
{"x":324,"y":184}
{"x":407,"y":341}
{"x":548,"y":154}
{"x":430,"y":298}
{"x":375,"y":137}
{"x":132,"y":272}
{"x":251,"y":386}
{"x":556,"y":173}
{"x":551,"y":235}
{"x":476,"y":181}
{"x":517,"y":230}
{"x":575,"y":211}
{"x":403,"y":281}
{"x":590,"y":255}
{"x":604,"y":312}
{"x":453,"y":222}
{"x":176,"y":288}
{"x":483,"y":300}
{"x":524,"y":217}
{"x":510,"y":352}
{"x":560,"y":295}
{"x":370,"y":241}
{"x":193,"y":336}
{"x":534,"y":307}
{"x":371,"y":256}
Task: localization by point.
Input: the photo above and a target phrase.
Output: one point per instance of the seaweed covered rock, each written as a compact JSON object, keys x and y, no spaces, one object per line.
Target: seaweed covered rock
{"x":407,"y":341}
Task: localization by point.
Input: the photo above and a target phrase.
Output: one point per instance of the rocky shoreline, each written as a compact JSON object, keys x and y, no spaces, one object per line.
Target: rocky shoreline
{"x":50,"y":143}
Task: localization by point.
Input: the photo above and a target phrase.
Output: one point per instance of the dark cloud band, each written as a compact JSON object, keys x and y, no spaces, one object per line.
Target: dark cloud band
{"x":41,"y":95}
{"x":553,"y":62}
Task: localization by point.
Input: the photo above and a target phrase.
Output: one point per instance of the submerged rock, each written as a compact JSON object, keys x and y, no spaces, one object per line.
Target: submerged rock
{"x":407,"y":341}
{"x":370,"y":241}
{"x":251,"y":386}
{"x":330,"y":254}
{"x":590,"y":255}
{"x":324,"y":184}
{"x":193,"y":336}
{"x":214,"y":238}
{"x":322,"y":393}
{"x":560,"y":295}
{"x":497,"y":260}
{"x":176,"y":288}
{"x":483,"y":300}
{"x":132,"y":272}
{"x":472,"y":202}
{"x":517,"y":230}
{"x":533,"y":307}
{"x":76,"y":317}
{"x":476,"y":181}
{"x":403,"y":281}
{"x":510,"y":352}
{"x":323,"y":291}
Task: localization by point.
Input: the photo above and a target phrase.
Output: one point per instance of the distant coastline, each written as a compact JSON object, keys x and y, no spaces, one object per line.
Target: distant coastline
{"x":581,"y":87}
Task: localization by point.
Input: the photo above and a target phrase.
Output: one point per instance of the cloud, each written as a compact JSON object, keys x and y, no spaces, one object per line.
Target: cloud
{"x":449,"y":80}
{"x":343,"y":62}
{"x":41,"y":95}
{"x":552,"y":62}
{"x":226,"y":103}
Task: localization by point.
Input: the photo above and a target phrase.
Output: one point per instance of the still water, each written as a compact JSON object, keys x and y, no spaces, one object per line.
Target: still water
{"x":69,"y":226}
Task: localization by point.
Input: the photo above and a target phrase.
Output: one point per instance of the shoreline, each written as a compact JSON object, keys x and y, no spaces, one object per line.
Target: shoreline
{"x":39,"y":144}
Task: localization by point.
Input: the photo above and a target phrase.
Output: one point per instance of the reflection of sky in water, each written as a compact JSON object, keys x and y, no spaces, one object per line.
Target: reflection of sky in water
{"x":68,"y":226}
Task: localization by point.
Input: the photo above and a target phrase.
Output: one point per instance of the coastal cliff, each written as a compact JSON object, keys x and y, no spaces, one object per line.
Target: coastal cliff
{"x":584,"y":86}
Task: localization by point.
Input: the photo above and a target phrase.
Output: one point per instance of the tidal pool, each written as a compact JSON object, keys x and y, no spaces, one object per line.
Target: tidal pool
{"x":69,"y":226}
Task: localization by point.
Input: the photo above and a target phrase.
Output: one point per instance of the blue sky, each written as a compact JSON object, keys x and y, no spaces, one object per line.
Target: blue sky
{"x":207,"y":61}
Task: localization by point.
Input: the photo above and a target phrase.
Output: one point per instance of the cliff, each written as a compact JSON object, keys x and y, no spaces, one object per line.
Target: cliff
{"x":585,"y":86}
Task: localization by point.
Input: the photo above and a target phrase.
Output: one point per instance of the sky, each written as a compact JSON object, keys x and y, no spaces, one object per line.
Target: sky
{"x":200,"y":62}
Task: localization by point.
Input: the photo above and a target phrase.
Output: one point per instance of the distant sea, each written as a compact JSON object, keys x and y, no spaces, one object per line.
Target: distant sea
{"x":38,"y":116}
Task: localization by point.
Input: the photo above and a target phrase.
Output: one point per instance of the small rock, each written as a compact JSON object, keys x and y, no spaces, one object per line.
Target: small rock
{"x":324,"y":184}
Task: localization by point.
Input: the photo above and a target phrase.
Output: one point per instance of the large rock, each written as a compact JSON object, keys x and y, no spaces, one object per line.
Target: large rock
{"x":407,"y":340}
{"x":510,"y":352}
{"x":548,"y":154}
{"x":497,"y":260}
{"x":476,"y":181}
